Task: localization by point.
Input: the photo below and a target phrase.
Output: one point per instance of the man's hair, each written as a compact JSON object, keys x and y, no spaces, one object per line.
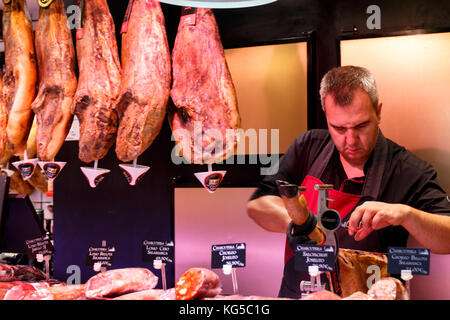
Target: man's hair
{"x":341,"y":82}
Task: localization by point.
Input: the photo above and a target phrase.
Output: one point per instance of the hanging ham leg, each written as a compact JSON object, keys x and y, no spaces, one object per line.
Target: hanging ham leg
{"x":98,"y":83}
{"x":19,"y":80}
{"x":203,"y":92}
{"x":3,"y":119}
{"x":146,"y":77}
{"x":57,"y":80}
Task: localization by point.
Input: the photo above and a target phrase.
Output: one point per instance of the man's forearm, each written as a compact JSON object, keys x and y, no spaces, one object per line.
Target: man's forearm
{"x":430,"y":230}
{"x":270,"y":213}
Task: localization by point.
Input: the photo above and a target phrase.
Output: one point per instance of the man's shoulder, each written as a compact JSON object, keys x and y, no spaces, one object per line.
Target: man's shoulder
{"x":314,"y":136}
{"x":407,"y":159}
{"x":310,"y":143}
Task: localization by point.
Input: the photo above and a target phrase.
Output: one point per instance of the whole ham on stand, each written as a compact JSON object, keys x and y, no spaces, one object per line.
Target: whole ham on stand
{"x":205,"y":116}
{"x":145,"y":85}
{"x":98,"y":86}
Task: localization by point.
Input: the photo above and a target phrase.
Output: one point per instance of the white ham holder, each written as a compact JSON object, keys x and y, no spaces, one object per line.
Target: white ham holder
{"x":51,"y":170}
{"x":407,"y":276}
{"x":158,"y":264}
{"x":98,"y":267}
{"x":133,"y":172}
{"x":94,"y":175}
{"x":210,"y":179}
{"x":307,"y":287}
{"x":26,"y":166}
{"x":40,"y":258}
{"x":227,"y":270}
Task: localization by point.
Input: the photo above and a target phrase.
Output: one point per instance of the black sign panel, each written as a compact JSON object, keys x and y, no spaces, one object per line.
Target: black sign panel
{"x":307,"y":255}
{"x":102,"y":255}
{"x":158,"y":250}
{"x":18,"y":223}
{"x":415,"y":259}
{"x":228,"y":254}
{"x":41,"y":245}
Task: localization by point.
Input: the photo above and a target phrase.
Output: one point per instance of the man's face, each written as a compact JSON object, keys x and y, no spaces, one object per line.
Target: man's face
{"x":354,"y":127}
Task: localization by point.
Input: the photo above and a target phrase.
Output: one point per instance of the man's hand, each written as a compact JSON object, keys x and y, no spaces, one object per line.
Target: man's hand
{"x":375,"y":215}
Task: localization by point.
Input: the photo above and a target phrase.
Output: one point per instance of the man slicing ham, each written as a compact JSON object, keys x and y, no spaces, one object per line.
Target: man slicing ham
{"x":380,"y":186}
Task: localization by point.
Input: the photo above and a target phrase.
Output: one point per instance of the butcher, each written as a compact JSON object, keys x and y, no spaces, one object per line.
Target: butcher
{"x":383,"y":192}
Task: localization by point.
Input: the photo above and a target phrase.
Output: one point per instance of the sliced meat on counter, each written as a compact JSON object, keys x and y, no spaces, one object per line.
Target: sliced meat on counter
{"x":152,"y":294}
{"x":169,"y":294}
{"x":146,"y":78}
{"x":197,"y":283}
{"x":205,"y":103}
{"x":5,"y":286}
{"x":22,"y":290}
{"x":57,"y":80}
{"x":3,"y":119}
{"x":322,"y":295}
{"x":120,"y":281}
{"x":19,"y":80}
{"x":388,"y":289}
{"x":358,"y":295}
{"x":20,"y":273}
{"x":70,"y":292}
{"x":353,"y":269}
{"x":29,"y":291}
{"x":98,"y":83}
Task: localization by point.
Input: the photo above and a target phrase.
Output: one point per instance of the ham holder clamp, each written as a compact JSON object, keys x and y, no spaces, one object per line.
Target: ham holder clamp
{"x":310,"y":229}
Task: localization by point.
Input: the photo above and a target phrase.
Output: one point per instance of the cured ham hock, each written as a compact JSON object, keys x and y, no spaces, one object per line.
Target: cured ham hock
{"x":146,"y":77}
{"x":205,"y":114}
{"x":98,"y":83}
{"x":57,"y":80}
{"x":19,"y":80}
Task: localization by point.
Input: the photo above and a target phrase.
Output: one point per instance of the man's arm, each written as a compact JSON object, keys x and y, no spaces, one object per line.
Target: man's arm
{"x":270,"y":213}
{"x":430,"y":230}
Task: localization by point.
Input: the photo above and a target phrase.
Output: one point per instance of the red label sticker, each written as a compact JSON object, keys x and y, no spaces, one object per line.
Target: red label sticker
{"x":213,"y":181}
{"x":124,"y":28}
{"x":80,"y":30}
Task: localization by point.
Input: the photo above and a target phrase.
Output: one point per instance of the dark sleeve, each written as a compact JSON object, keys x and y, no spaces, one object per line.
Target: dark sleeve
{"x":415,"y":184}
{"x":430,"y":196}
{"x":294,"y":164}
{"x":420,"y":183}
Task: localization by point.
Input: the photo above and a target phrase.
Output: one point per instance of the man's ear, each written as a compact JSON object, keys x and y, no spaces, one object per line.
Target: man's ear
{"x":380,"y":106}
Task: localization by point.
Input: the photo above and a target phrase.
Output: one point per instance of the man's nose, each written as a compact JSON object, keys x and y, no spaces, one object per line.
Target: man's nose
{"x":351,"y":137}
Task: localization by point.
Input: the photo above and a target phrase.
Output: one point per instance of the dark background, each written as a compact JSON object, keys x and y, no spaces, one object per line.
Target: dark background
{"x":125,"y":215}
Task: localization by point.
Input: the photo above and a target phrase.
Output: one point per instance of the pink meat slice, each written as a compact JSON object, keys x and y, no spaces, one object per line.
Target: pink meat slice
{"x":120,"y":281}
